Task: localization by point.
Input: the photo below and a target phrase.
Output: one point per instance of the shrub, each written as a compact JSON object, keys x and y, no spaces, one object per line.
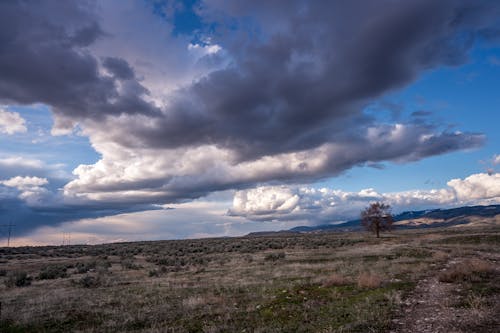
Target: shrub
{"x":154,"y":273}
{"x":128,"y":263}
{"x":369,"y":280}
{"x":89,"y":281}
{"x":102,"y":266}
{"x":85,"y":267}
{"x":53,"y":272}
{"x":275,"y":256}
{"x":18,"y":279}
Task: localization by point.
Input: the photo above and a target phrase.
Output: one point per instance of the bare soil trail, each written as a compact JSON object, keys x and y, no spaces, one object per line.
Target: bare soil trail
{"x":439,"y":307}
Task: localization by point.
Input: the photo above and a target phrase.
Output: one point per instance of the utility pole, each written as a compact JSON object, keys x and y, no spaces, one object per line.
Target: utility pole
{"x":8,"y":238}
{"x":9,"y":231}
{"x":66,"y":238}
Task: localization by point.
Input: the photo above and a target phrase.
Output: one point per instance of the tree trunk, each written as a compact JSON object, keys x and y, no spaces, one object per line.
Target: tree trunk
{"x":377,"y":227}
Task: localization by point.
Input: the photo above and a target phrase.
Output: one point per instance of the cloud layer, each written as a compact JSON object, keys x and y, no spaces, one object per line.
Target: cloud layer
{"x":274,"y":207}
{"x":316,"y":206}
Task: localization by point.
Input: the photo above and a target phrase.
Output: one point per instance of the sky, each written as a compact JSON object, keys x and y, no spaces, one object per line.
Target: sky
{"x":146,"y":120}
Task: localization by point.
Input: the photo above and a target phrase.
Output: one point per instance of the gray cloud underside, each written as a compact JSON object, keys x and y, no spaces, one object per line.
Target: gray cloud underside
{"x":287,"y":107}
{"x":300,"y":83}
{"x":44,"y":59}
{"x":149,"y":177}
{"x":304,"y":80}
{"x":27,"y":218}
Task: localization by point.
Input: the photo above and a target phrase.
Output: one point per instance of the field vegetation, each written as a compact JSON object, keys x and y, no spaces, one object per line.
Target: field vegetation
{"x":324,"y":282}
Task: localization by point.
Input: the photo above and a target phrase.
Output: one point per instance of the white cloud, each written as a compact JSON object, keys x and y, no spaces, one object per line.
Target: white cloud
{"x":24,"y":182}
{"x":11,"y":123}
{"x":265,"y":200}
{"x":30,"y":189}
{"x":203,"y":50}
{"x":12,"y":166}
{"x":477,"y":187}
{"x":21,"y":162}
{"x":328,"y":205}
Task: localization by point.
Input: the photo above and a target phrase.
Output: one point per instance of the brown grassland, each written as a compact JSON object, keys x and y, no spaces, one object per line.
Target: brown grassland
{"x":325,"y":282}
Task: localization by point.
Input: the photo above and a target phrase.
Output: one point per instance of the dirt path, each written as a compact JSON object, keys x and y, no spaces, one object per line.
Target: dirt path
{"x":434,"y":307}
{"x":427,"y":309}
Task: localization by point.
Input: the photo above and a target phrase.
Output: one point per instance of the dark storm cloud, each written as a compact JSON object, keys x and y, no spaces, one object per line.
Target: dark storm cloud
{"x":300,"y":74}
{"x":27,"y":218}
{"x":302,"y":71}
{"x":119,"y":68}
{"x":43,"y":58}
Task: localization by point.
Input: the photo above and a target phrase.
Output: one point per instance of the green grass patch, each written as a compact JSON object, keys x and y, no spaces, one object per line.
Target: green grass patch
{"x":312,"y":308}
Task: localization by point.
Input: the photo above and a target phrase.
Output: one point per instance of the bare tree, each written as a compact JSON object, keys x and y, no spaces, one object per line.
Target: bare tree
{"x":377,"y":217}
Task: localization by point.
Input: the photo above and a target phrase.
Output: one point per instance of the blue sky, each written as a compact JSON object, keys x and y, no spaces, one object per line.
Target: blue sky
{"x":463,"y":97}
{"x":240,"y":116}
{"x":38,"y":143}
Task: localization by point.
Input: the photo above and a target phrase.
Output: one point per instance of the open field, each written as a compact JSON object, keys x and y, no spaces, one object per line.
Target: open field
{"x":434,"y":280}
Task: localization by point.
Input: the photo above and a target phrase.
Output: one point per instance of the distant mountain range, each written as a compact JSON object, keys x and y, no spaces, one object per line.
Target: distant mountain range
{"x":472,"y":215}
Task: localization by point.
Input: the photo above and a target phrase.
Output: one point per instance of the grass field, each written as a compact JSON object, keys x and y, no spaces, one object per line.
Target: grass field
{"x":327,"y":282}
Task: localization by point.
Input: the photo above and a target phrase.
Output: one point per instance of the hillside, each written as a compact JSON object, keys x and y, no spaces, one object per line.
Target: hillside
{"x":468,"y":215}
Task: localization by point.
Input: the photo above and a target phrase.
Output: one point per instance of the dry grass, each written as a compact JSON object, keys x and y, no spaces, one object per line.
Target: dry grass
{"x":470,"y":270}
{"x":369,"y":280}
{"x":336,"y":279}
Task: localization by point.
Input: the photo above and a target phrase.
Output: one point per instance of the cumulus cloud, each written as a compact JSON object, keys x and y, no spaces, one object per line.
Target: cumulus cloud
{"x":477,"y":187}
{"x":266,"y":200}
{"x":30,"y":196}
{"x":11,"y":122}
{"x":328,"y":205}
{"x":24,"y":182}
{"x":30,"y":189}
